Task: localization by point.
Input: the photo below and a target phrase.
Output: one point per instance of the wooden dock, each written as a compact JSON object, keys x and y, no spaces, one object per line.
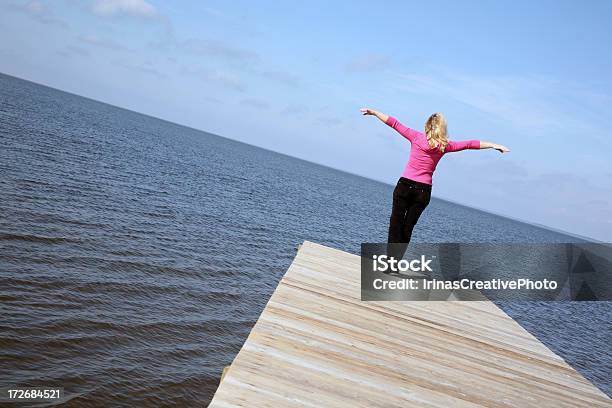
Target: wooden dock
{"x":316,"y":344}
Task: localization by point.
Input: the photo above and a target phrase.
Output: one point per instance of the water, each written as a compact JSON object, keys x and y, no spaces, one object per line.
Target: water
{"x":136,"y":254}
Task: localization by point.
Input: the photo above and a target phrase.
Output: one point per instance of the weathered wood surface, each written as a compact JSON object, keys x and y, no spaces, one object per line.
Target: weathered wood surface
{"x":317,"y":345}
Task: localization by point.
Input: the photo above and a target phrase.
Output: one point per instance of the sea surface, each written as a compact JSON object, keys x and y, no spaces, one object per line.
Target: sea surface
{"x":136,"y":254}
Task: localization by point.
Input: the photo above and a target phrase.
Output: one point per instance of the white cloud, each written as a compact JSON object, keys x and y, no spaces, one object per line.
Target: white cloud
{"x":255,"y":103}
{"x":537,"y":104}
{"x":107,"y":43}
{"x":136,"y":8}
{"x":218,"y":49}
{"x":143,"y":68}
{"x":35,"y":7}
{"x":224,"y":78}
{"x":72,"y":51}
{"x":40,"y":12}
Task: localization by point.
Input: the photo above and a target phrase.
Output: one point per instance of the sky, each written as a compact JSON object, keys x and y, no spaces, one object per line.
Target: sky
{"x":291,"y":77}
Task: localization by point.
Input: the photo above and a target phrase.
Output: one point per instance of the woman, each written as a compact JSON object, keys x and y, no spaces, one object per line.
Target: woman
{"x":413,"y":190}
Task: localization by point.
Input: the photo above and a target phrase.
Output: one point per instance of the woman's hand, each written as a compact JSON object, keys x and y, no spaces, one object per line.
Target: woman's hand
{"x":498,"y":147}
{"x":379,"y":115}
{"x":501,"y":148}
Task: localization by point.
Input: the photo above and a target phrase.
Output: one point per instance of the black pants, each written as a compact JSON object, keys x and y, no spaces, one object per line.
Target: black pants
{"x":409,"y":200}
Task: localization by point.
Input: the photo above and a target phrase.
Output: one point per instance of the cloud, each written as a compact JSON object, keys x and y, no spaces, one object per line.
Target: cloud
{"x":218,"y":49}
{"x":73,"y":50}
{"x":255,"y":103}
{"x":134,"y":8}
{"x":536,"y":104}
{"x":96,"y":41}
{"x":35,"y":7}
{"x":368,"y":63}
{"x":145,"y":68}
{"x":225,"y":78}
{"x":212,"y":100}
{"x":547,"y":195}
{"x":40,"y":12}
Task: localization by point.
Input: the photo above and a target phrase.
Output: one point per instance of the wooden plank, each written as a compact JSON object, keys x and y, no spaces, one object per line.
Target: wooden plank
{"x":316,"y":344}
{"x":224,"y":372}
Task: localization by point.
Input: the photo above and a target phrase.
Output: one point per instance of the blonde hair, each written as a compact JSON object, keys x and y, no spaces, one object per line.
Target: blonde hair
{"x":435,"y":129}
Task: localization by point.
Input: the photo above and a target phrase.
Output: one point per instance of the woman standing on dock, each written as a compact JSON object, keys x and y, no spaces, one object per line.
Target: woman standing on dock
{"x":413,"y":190}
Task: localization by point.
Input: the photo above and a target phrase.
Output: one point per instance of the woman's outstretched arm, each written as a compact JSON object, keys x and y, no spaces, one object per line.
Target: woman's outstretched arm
{"x":408,"y":133}
{"x":498,"y":147}
{"x":457,"y":146}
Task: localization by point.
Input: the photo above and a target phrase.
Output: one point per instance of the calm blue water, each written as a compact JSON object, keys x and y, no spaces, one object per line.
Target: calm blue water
{"x":136,"y":254}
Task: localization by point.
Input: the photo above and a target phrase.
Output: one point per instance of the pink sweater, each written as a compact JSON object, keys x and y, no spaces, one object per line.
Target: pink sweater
{"x":423,"y":158}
